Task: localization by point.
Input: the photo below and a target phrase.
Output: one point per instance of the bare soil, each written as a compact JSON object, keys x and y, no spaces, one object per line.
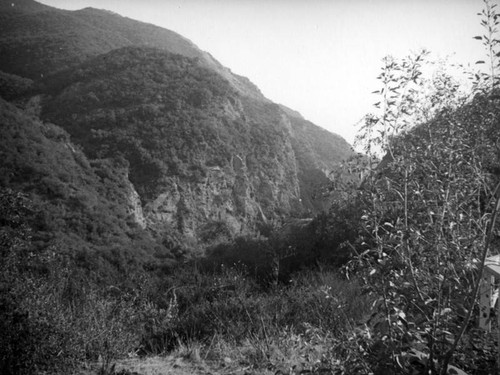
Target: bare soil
{"x":174,"y":365}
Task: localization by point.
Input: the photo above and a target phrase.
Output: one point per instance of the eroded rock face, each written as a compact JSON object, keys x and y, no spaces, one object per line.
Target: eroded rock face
{"x":175,"y":142}
{"x":200,"y":155}
{"x":233,"y":195}
{"x":135,"y":206}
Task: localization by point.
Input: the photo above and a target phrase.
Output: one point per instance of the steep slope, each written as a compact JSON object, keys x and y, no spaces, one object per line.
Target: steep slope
{"x":22,"y":7}
{"x":318,"y":152}
{"x":199,"y":152}
{"x":82,"y":206}
{"x":208,"y":155}
{"x":36,"y":39}
{"x":13,"y":86}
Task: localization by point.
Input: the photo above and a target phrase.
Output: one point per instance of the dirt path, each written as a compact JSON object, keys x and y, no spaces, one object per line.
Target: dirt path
{"x":172,"y":365}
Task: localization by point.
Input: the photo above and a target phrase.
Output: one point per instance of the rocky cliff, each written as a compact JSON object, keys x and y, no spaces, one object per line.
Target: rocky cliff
{"x":204,"y":155}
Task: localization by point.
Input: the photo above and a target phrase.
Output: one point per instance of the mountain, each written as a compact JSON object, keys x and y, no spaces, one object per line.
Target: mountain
{"x":80,"y":206}
{"x":192,"y":152}
{"x":318,"y":153}
{"x":36,"y":39}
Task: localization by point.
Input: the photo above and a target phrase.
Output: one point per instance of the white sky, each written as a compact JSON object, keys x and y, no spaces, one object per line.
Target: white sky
{"x":319,"y":57}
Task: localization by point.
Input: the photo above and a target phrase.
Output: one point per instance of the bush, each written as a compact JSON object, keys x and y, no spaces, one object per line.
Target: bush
{"x":430,"y":209}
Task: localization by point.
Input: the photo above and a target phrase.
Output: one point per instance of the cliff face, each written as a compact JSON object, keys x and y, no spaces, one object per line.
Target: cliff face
{"x":318,"y":153}
{"x":79,"y":203}
{"x":203,"y":154}
{"x":198,"y":151}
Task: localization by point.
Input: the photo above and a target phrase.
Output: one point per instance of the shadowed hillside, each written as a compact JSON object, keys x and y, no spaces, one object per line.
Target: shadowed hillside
{"x":142,"y":190}
{"x":202,"y":144}
{"x":36,"y":39}
{"x":84,"y":206}
{"x":318,"y":154}
{"x":197,"y":149}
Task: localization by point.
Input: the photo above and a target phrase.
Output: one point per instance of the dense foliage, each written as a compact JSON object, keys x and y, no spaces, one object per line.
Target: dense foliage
{"x":427,"y":216}
{"x":170,"y":117}
{"x":83,"y":204}
{"x":424,"y":228}
{"x":37,"y":39}
{"x":169,"y":114}
{"x":82,"y":277}
{"x":83,"y":280}
{"x":12,"y":86}
{"x":147,"y":105}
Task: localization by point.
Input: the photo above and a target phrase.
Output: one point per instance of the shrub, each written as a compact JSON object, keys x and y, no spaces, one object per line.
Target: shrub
{"x":430,"y":209}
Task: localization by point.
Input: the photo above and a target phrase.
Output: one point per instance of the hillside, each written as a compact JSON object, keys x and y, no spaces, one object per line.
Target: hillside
{"x":36,"y":39}
{"x":128,"y":157}
{"x":318,"y":154}
{"x":198,"y":151}
{"x":87,"y":208}
{"x":157,"y":214}
{"x":204,"y":148}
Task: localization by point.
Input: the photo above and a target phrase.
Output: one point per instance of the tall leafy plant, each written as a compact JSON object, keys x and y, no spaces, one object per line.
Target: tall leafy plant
{"x":430,"y":208}
{"x":490,"y":20}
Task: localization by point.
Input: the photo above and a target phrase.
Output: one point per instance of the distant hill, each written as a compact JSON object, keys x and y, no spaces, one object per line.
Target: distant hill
{"x":36,"y":39}
{"x":21,"y":7}
{"x":197,"y":149}
{"x":318,"y":153}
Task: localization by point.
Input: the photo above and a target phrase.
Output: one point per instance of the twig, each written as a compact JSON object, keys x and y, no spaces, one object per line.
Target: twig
{"x":475,"y":292}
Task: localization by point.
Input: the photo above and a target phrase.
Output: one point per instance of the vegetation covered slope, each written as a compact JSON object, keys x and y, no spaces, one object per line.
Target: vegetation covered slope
{"x":426,"y":217}
{"x":191,"y":140}
{"x":85,"y":207}
{"x":124,"y":150}
{"x":319,"y":154}
{"x":122,"y":88}
{"x":36,"y":39}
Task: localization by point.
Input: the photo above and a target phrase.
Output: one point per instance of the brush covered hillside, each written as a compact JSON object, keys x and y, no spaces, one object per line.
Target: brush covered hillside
{"x":206,"y":155}
{"x":36,"y":39}
{"x":140,"y":187}
{"x":125,"y":152}
{"x":76,"y":206}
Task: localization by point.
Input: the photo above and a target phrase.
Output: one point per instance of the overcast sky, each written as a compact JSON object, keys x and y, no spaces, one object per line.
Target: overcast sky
{"x":319,"y":57}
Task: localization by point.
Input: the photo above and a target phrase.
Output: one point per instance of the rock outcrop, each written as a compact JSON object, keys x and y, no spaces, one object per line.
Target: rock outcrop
{"x":201,"y":152}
